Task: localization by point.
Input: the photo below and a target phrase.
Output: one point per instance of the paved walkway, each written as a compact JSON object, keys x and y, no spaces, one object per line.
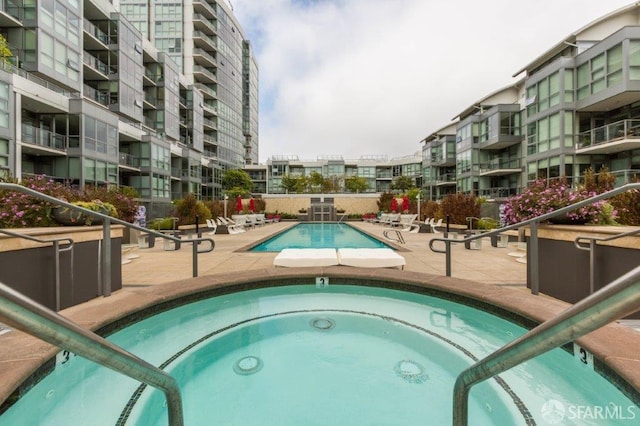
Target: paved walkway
{"x":155,"y":266}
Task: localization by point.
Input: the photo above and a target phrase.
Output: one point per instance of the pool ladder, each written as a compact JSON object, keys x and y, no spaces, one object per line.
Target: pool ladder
{"x":616,"y":300}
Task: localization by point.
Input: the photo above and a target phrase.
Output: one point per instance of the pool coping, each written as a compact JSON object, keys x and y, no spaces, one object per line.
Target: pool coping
{"x":25,"y":359}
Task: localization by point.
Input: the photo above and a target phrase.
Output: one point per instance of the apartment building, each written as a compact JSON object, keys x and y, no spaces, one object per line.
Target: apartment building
{"x":377,"y":170}
{"x":161,"y":96}
{"x":576,"y":106}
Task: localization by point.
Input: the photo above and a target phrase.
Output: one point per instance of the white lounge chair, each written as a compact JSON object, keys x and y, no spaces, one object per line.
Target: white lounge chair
{"x":436,"y":225}
{"x":370,"y":258}
{"x":306,"y":257}
{"x":211,"y":224}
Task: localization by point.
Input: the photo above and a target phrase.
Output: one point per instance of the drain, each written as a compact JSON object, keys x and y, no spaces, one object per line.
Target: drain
{"x":411,"y":371}
{"x":248,"y":365}
{"x":322,"y":324}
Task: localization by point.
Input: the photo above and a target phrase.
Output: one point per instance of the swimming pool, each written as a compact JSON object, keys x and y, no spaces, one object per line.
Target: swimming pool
{"x":294,"y":355}
{"x":319,"y":235}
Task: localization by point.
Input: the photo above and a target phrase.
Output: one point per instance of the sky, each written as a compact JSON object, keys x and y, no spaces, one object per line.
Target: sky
{"x":375,"y":77}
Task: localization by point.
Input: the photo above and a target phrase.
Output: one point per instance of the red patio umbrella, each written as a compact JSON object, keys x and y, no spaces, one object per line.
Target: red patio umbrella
{"x":239,"y":207}
{"x":405,"y":203}
{"x":252,"y":205}
{"x":394,"y":204}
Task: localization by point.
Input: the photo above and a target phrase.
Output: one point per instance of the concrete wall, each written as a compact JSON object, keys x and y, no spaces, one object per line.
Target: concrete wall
{"x":351,"y":203}
{"x":29,"y":267}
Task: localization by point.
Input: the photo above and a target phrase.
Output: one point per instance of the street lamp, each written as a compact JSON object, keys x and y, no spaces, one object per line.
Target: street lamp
{"x":226,"y":198}
{"x":418,"y":200}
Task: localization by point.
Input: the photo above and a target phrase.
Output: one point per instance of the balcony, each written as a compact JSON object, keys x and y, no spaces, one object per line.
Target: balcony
{"x":11,"y":14}
{"x":204,"y":75}
{"x":204,"y":41}
{"x":39,"y":141}
{"x":620,"y":136}
{"x":498,"y":192}
{"x":204,"y":58}
{"x":99,"y":96}
{"x":204,"y":8}
{"x":500,"y":167}
{"x":207,"y":91}
{"x":95,"y":69}
{"x":97,"y":40}
{"x":127,"y":161}
{"x":209,"y":124}
{"x":446,"y":179}
{"x":201,"y":23}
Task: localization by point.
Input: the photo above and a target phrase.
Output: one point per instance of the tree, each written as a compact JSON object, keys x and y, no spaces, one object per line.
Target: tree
{"x":5,"y":51}
{"x":293,"y":184}
{"x":356,"y":184}
{"x":402,"y":183}
{"x":237,"y":182}
{"x":316,"y":182}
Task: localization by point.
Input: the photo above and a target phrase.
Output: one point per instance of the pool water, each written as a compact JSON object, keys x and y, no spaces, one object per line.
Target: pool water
{"x":320,"y":235}
{"x":293,"y":355}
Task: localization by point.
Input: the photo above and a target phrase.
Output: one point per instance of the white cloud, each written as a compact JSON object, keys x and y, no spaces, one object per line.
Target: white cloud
{"x":374,"y":77}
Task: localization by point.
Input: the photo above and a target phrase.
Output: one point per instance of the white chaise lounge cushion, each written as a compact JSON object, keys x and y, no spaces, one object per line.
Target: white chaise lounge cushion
{"x":306,"y":257}
{"x":370,"y":258}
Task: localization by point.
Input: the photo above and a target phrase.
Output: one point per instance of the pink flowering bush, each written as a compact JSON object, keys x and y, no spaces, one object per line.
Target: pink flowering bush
{"x":19,"y":210}
{"x":542,"y":197}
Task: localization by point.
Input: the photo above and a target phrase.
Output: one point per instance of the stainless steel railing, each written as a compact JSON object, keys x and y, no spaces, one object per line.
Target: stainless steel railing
{"x":24,"y":314}
{"x":591,"y":248}
{"x":616,"y":300}
{"x":105,"y":262}
{"x":56,"y":256}
{"x":534,"y":278}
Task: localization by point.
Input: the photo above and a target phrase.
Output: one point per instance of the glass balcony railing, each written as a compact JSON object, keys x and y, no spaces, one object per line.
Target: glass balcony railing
{"x":44,"y":138}
{"x":500,"y":164}
{"x":620,"y":130}
{"x":127,"y":160}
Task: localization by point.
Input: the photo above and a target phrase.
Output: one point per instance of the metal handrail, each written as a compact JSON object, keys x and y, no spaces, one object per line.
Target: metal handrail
{"x":56,"y":253}
{"x":533,"y":241}
{"x":591,"y":248}
{"x":106,"y":233}
{"x":616,"y":300}
{"x":32,"y":318}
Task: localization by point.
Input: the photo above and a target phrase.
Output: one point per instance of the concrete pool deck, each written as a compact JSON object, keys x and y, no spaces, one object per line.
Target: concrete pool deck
{"x":489,"y":275}
{"x":155,"y":266}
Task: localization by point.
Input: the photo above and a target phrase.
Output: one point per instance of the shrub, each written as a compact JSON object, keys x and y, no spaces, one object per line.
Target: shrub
{"x":123,"y":199}
{"x":487,"y":223}
{"x":163,"y":223}
{"x":459,"y":207}
{"x":384,"y":203}
{"x":430,"y":209}
{"x":216,"y":208}
{"x":627,"y":205}
{"x":19,"y":210}
{"x":541,"y":198}
{"x":188,"y":208}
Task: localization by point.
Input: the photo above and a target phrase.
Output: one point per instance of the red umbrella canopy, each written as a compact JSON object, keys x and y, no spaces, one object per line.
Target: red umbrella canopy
{"x":252,"y":205}
{"x":405,"y":203}
{"x":394,"y":204}
{"x":239,"y":207}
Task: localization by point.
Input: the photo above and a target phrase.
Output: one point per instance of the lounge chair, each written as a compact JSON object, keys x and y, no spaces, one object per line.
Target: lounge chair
{"x":232,"y":227}
{"x":370,"y":258}
{"x":306,"y":257}
{"x":211,"y":224}
{"x":436,"y":225}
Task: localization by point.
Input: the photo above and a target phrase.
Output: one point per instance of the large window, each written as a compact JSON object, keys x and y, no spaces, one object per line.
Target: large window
{"x":4,"y":105}
{"x":544,"y":94}
{"x":634,"y":60}
{"x":4,"y":158}
{"x":604,"y":70}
